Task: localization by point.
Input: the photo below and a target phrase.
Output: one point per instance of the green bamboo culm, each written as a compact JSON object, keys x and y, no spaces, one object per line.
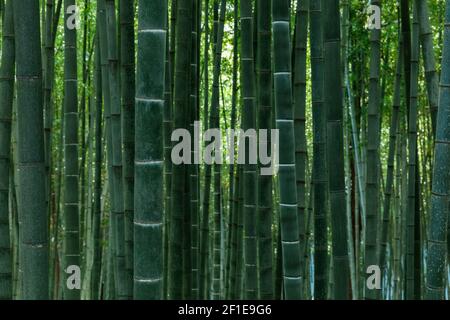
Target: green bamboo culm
{"x":335,"y":147}
{"x":148,"y":179}
{"x":249,"y":123}
{"x":437,"y":234}
{"x":349,"y":166}
{"x":181,"y":105}
{"x":204,"y":235}
{"x":194,"y":170}
{"x":96,"y":223}
{"x":84,"y":214}
{"x":285,"y":125}
{"x":264,"y":105}
{"x":236,"y":257}
{"x":319,"y":171}
{"x":230,"y":253}
{"x":299,"y":96}
{"x":188,"y":218}
{"x":204,"y":220}
{"x":234,"y":184}
{"x":103,"y":43}
{"x":373,"y":157}
{"x":215,"y":123}
{"x":127,"y":54}
{"x":167,"y":120}
{"x":71,"y":233}
{"x":51,"y":23}
{"x":239,"y":284}
{"x":123,"y":289}
{"x":48,"y":76}
{"x":7,"y":69}
{"x":33,"y":218}
{"x":391,"y":158}
{"x":411,"y":253}
{"x":406,"y":36}
{"x":429,"y":60}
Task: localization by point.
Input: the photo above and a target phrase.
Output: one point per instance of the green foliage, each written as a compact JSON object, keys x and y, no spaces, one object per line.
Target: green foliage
{"x":86,"y":177}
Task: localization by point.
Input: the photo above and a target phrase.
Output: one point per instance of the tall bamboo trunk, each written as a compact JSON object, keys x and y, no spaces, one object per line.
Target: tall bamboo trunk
{"x":249,"y":123}
{"x":194,"y":169}
{"x":437,"y":234}
{"x":103,"y":41}
{"x":97,"y":209}
{"x":231,"y":254}
{"x":7,"y":72}
{"x":123,"y":289}
{"x":299,"y":97}
{"x":319,"y":171}
{"x":127,"y":64}
{"x":335,"y":147}
{"x":285,"y":124}
{"x":429,"y":61}
{"x":387,"y":222}
{"x":373,"y":157}
{"x":149,"y":149}
{"x":264,"y":109}
{"x":412,"y":161}
{"x":49,"y":69}
{"x":33,"y":217}
{"x":214,"y":121}
{"x":181,"y":105}
{"x":71,"y":194}
{"x":167,"y":119}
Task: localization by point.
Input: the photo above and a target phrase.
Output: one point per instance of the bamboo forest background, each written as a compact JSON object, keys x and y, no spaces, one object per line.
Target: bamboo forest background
{"x":92,"y":207}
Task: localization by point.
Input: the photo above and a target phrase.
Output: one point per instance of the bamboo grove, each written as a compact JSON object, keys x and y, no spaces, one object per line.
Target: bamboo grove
{"x":104,"y":194}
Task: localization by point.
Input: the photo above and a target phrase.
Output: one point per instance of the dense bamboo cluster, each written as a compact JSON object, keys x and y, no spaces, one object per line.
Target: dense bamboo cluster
{"x":214,"y":149}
